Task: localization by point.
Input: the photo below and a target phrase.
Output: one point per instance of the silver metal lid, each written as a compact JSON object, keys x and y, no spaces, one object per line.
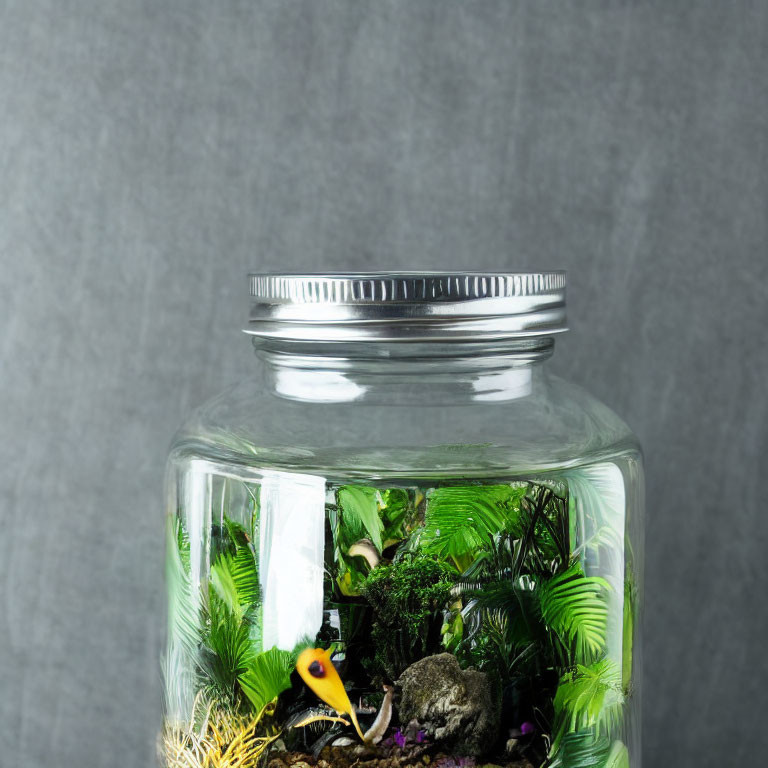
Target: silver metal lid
{"x":407,"y":306}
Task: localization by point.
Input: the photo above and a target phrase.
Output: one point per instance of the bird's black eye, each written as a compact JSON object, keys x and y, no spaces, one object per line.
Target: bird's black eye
{"x":316,"y":669}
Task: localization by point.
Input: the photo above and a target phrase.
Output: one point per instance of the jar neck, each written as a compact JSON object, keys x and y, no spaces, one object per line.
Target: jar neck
{"x":404,"y":374}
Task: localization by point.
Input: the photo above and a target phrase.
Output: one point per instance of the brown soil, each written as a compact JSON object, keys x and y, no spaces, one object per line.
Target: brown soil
{"x":370,"y":757}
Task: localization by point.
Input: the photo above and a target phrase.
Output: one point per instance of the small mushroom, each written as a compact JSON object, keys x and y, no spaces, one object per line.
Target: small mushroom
{"x":365,"y":548}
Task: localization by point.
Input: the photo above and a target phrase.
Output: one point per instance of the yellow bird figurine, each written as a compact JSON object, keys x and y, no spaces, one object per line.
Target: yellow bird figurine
{"x":317,"y":671}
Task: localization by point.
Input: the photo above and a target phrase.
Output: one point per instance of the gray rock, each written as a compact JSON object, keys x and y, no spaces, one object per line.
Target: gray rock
{"x":454,"y":707}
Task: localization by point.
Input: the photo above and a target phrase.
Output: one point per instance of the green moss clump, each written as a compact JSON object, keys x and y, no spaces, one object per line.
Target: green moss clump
{"x":408,"y":598}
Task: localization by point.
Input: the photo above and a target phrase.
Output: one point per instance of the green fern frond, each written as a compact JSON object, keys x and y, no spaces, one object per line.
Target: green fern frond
{"x":459,"y":520}
{"x":575,"y":608}
{"x":237,"y":532}
{"x":589,"y":699}
{"x":235,"y":579}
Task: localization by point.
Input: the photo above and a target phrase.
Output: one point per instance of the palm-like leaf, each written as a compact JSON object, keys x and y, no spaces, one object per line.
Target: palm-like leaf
{"x":236,"y":531}
{"x":574,"y":607}
{"x":514,"y":599}
{"x":597,"y":514}
{"x":236,"y":580}
{"x":267,"y":676}
{"x":183,"y":603}
{"x":498,"y":625}
{"x":618,"y":757}
{"x":583,"y":749}
{"x":589,"y":699}
{"x":459,"y":520}
{"x":232,"y":637}
{"x":228,"y":648}
{"x":180,"y":666}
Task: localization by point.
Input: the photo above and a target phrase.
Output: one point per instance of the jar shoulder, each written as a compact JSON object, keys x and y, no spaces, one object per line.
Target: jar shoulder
{"x":557,"y":424}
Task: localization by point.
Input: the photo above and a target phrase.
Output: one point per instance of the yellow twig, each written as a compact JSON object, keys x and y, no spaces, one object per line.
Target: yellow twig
{"x":223,"y":740}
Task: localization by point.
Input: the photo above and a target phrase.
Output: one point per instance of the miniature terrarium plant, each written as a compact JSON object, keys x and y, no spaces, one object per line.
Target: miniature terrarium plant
{"x":403,"y":552}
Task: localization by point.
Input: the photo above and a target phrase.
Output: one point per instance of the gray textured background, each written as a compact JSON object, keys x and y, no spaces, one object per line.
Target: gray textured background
{"x":152,"y":152}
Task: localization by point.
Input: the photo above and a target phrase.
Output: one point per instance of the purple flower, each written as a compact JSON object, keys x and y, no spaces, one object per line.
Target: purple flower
{"x":399,"y":738}
{"x":527,"y":728}
{"x":420,"y":735}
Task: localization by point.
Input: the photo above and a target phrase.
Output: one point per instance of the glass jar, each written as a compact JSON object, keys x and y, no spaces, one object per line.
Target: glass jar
{"x":401,"y":541}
